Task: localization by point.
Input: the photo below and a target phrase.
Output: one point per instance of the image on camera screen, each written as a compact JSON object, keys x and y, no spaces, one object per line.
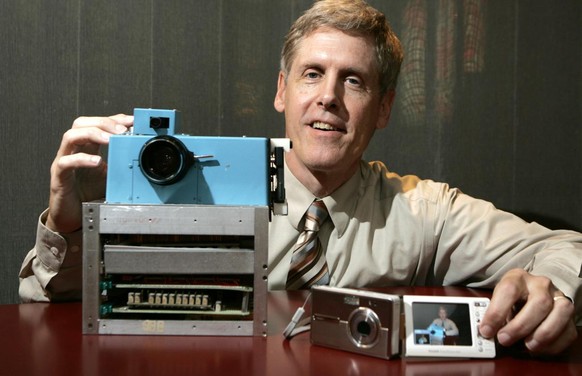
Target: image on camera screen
{"x":447,"y":324}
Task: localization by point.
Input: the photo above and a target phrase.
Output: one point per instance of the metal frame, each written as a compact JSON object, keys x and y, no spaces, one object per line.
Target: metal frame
{"x":100,"y":218}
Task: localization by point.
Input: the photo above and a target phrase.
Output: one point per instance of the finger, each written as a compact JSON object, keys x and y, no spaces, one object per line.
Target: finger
{"x":79,"y":160}
{"x":113,"y":124}
{"x":63,"y":169}
{"x":506,"y":295}
{"x":84,"y":138}
{"x":557,"y":331}
{"x":66,"y":193}
{"x":88,"y":133}
{"x":525,"y":322}
{"x":123,"y":119}
{"x":76,"y":139}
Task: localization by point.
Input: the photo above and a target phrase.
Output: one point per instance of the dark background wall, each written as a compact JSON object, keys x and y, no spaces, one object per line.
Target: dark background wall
{"x":489,"y":99}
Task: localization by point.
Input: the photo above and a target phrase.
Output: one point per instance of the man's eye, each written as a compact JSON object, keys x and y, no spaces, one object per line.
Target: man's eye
{"x":311,"y":75}
{"x":353,"y":81}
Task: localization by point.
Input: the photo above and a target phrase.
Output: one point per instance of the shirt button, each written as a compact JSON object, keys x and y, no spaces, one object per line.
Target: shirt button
{"x":75,"y":249}
{"x":54,"y":251}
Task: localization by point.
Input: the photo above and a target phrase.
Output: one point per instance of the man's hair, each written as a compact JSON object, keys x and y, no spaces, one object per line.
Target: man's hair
{"x":353,"y":17}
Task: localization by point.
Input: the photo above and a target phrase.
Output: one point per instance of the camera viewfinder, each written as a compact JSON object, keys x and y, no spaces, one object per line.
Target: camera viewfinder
{"x":159,"y":122}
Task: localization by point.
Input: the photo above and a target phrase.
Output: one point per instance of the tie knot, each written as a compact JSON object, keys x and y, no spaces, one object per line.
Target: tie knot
{"x":315,"y":215}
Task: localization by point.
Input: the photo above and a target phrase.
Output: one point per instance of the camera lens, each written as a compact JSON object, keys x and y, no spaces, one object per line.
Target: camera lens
{"x":165,"y":160}
{"x":364,"y":327}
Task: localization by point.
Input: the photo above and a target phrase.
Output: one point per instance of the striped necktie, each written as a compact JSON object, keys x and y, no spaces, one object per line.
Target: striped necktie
{"x":308,"y":266}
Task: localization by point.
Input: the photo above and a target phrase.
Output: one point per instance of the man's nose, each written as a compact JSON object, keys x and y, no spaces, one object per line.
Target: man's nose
{"x":330,"y":93}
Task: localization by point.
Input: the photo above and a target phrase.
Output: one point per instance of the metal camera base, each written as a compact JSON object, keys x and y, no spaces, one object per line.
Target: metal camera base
{"x":175,"y":269}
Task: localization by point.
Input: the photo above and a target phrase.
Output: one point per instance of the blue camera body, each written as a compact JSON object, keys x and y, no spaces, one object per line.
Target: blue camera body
{"x":156,"y":165}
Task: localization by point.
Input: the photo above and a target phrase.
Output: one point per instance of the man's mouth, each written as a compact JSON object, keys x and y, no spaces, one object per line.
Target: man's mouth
{"x":323,"y":126}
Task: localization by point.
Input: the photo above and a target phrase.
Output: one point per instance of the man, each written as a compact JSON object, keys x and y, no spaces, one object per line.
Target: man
{"x":336,"y":87}
{"x":442,"y":327}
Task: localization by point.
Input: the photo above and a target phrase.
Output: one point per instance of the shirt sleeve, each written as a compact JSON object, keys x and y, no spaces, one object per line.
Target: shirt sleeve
{"x":451,"y":328}
{"x":478,"y":244}
{"x":52,"y":270}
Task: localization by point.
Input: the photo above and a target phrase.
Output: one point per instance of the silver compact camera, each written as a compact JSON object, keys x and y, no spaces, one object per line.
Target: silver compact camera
{"x":385,"y":326}
{"x":358,"y":321}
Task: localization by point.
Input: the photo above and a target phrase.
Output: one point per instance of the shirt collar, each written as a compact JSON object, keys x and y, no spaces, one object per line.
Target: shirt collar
{"x":340,"y":204}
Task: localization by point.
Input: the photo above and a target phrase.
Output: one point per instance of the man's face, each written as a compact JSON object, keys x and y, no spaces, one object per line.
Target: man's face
{"x":332,"y":102}
{"x":442,"y":314}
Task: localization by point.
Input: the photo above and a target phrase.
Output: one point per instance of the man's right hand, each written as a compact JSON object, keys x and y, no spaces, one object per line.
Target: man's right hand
{"x":78,"y":173}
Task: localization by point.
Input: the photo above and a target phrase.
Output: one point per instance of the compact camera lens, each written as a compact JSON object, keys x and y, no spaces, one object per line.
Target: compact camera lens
{"x":165,"y":160}
{"x":364,"y":327}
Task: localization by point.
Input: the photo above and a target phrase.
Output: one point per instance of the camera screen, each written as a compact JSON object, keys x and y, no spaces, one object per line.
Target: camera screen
{"x":447,"y":324}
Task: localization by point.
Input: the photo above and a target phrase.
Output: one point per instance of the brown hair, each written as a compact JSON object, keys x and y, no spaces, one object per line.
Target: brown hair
{"x":350,"y":16}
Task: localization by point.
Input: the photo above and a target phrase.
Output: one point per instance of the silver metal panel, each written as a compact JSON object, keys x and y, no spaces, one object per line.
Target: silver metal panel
{"x":173,"y":327}
{"x":91,"y":267}
{"x":176,"y":219}
{"x":143,"y":260}
{"x":261,"y":232}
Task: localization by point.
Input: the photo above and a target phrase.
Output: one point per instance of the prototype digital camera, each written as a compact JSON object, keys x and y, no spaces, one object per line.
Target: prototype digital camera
{"x":384,"y":325}
{"x":155,"y":164}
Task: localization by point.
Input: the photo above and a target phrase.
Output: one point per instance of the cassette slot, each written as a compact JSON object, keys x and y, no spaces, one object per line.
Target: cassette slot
{"x":177,"y":260}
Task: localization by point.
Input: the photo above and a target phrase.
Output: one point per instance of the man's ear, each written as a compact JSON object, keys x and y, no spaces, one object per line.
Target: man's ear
{"x":280,"y":96}
{"x":385,"y":109}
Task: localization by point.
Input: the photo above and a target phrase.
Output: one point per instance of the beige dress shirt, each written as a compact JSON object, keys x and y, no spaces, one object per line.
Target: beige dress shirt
{"x":388,"y":230}
{"x":385,"y":230}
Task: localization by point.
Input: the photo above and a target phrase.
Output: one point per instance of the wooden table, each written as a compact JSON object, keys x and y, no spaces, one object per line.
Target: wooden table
{"x":46,"y":339}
